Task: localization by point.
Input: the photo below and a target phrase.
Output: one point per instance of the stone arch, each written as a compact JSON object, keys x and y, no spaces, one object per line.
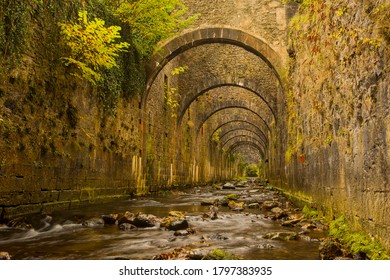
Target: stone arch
{"x":207,"y":116}
{"x":242,"y":131}
{"x":259,"y":131}
{"x":248,"y":143}
{"x":240,"y":138}
{"x":212,"y":35}
{"x":210,"y":84}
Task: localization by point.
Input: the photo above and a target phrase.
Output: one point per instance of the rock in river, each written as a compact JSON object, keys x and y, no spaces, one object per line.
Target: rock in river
{"x":94,"y":222}
{"x":330,"y":249}
{"x":4,"y":256}
{"x":228,"y":186}
{"x":178,"y":225}
{"x":110,"y":219}
{"x":284,"y":236}
{"x":127,"y":227}
{"x":269,"y":204}
{"x":143,"y":221}
{"x":128,"y":218}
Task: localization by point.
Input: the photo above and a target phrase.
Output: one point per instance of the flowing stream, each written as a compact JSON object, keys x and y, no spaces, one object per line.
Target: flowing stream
{"x":62,"y":235}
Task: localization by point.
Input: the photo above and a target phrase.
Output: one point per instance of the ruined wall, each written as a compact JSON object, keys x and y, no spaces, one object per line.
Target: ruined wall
{"x":338,"y":110}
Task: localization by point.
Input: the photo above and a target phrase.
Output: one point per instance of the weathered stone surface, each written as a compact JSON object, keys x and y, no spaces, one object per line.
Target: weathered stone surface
{"x":178,"y":225}
{"x":207,"y":202}
{"x":330,"y":250}
{"x":254,"y":205}
{"x":143,"y":221}
{"x":94,"y":222}
{"x":228,"y":186}
{"x":110,"y":219}
{"x":127,"y":217}
{"x":269,"y":204}
{"x":290,"y":223}
{"x":127,"y":227}
{"x":284,"y":236}
{"x":236,"y":54}
{"x":181,"y":233}
{"x":4,"y":256}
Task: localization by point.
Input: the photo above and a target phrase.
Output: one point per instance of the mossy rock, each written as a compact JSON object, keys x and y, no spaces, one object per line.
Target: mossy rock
{"x":221,"y":255}
{"x":231,"y":196}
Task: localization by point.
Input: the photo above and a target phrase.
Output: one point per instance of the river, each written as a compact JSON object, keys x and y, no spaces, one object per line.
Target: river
{"x":65,"y":236}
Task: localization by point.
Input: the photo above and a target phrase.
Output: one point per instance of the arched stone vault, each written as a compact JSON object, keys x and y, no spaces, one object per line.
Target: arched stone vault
{"x":241,"y":138}
{"x":212,"y":35}
{"x":268,"y":100}
{"x":241,"y":131}
{"x":206,"y":115}
{"x":240,"y":125}
{"x":233,"y":81}
{"x":246,"y":143}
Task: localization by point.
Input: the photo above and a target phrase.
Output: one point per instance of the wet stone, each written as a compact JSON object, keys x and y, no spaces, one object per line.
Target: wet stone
{"x":291,"y":223}
{"x":276,"y":210}
{"x":110,"y":219}
{"x":228,"y":186}
{"x":94,"y":222}
{"x":308,"y":226}
{"x":4,"y":256}
{"x":254,"y":205}
{"x":265,"y":246}
{"x":178,"y":225}
{"x":242,"y":184}
{"x":216,"y":236}
{"x":181,"y":233}
{"x":330,"y":249}
{"x":128,"y":217}
{"x":127,"y":227}
{"x":207,"y":202}
{"x":269,"y":204}
{"x":284,"y":236}
{"x":143,"y":221}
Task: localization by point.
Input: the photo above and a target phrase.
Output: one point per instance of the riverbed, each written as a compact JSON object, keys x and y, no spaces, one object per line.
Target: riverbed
{"x":250,"y":232}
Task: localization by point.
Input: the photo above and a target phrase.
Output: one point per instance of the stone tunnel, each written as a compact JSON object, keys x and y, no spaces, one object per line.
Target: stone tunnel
{"x":216,"y":94}
{"x":231,"y":84}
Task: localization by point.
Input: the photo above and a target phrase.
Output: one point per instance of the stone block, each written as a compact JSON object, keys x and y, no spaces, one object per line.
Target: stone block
{"x":55,"y":206}
{"x":11,"y":212}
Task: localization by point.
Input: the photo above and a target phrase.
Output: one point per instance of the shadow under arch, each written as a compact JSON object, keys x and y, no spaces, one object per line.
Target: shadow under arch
{"x":242,"y":130}
{"x":244,"y":137}
{"x":230,"y":107}
{"x":246,"y":143}
{"x":242,"y":121}
{"x":218,"y":84}
{"x":212,"y":35}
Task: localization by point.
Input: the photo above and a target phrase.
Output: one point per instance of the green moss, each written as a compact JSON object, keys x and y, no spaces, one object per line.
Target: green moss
{"x":312,"y":213}
{"x":357,"y":242}
{"x":219,"y":254}
{"x":231,"y":197}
